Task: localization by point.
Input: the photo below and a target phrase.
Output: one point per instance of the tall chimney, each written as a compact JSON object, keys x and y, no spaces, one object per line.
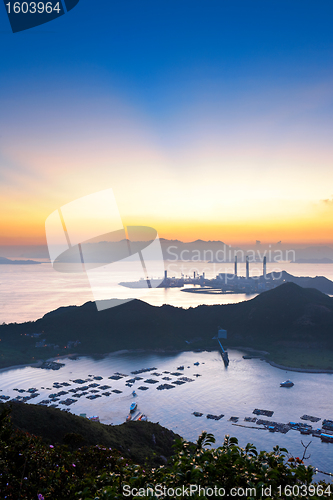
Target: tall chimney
{"x":264,"y":268}
{"x":247,"y":267}
{"x":165,"y":274}
{"x":235,"y":265}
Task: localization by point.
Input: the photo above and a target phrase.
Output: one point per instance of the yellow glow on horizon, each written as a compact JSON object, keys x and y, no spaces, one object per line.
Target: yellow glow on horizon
{"x":28,"y":232}
{"x":236,"y":189}
{"x":186,"y":218}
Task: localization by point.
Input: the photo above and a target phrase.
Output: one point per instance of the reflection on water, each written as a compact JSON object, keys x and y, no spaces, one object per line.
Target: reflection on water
{"x":235,"y":391}
{"x":29,"y":292}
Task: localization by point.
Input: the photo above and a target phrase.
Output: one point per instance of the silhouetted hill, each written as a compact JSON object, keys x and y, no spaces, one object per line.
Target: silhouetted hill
{"x":140,"y":441}
{"x":319,"y":282}
{"x":286,"y":313}
{"x":288,"y":310}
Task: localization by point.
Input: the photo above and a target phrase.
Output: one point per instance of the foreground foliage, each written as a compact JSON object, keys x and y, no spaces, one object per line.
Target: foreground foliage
{"x":31,"y":469}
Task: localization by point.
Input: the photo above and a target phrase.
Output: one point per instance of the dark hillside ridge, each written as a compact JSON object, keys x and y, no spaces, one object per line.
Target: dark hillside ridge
{"x":319,"y":282}
{"x":140,"y":441}
{"x":288,"y":312}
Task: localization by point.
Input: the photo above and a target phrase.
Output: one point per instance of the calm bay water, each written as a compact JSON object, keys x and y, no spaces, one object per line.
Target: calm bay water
{"x":235,"y":391}
{"x":28,"y":292}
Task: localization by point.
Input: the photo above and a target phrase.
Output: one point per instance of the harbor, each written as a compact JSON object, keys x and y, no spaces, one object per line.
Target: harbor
{"x":231,"y":394}
{"x":255,"y":280}
{"x":222,"y":283}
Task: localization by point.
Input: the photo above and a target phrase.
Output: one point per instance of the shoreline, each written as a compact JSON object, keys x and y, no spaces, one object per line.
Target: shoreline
{"x":300,"y":370}
{"x":282,"y":367}
{"x":38,"y":363}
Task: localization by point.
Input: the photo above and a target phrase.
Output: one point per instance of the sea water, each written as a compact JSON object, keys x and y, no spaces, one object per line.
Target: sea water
{"x":28,"y":292}
{"x":234,"y":391}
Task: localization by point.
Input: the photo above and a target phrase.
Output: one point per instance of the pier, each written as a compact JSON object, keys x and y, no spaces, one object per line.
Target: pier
{"x":224,"y":354}
{"x":222,"y":334}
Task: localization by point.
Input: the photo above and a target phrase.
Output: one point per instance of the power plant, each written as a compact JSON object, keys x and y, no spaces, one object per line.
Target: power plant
{"x":222,"y":283}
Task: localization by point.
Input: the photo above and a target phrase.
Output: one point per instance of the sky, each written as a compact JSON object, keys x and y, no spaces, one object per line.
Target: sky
{"x":209,"y":119}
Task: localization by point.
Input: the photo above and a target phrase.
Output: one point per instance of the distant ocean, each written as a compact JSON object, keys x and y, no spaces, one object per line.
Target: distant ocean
{"x":29,"y":292}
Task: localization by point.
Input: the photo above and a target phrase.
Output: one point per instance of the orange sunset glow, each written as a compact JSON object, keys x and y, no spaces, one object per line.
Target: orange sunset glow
{"x":218,"y":167}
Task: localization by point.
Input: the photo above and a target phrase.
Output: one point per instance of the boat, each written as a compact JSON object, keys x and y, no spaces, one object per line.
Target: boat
{"x":328,"y":424}
{"x":326,"y":438}
{"x":143,"y":418}
{"x":287,"y":383}
{"x":128,"y":418}
{"x":306,"y":431}
{"x":94,"y":418}
{"x":134,"y":393}
{"x":133,"y":407}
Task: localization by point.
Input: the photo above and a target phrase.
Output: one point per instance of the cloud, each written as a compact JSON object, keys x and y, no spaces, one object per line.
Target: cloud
{"x":328,"y":202}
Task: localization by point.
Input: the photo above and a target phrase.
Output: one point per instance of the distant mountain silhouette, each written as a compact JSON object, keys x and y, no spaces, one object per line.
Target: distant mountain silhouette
{"x":220,"y":251}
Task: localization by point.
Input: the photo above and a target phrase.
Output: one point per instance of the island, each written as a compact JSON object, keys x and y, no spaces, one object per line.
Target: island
{"x":4,"y":260}
{"x":293,"y":325}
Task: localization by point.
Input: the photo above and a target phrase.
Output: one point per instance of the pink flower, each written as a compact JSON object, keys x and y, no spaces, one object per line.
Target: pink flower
{"x":40,"y":497}
{"x":73,"y":465}
{"x":51,"y":446}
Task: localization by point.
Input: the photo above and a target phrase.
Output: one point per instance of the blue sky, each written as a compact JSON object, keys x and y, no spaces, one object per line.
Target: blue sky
{"x":186,"y":87}
{"x":155,"y":49}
